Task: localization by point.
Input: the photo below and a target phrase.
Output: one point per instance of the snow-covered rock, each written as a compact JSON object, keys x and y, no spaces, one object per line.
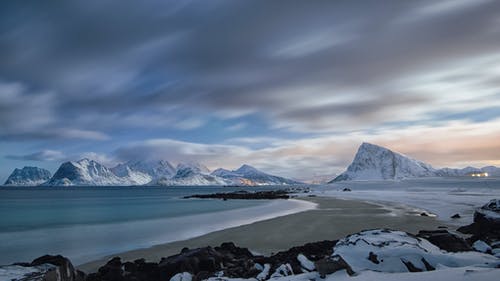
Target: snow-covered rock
{"x":481,"y":246}
{"x":85,"y":172}
{"x":18,"y":272}
{"x":282,"y":271}
{"x":305,"y":263}
{"x":248,"y":175}
{"x":44,"y":268}
{"x":373,"y":162}
{"x":396,"y":251}
{"x":264,"y":272}
{"x":490,"y":211}
{"x":28,"y":176}
{"x":184,"y":276}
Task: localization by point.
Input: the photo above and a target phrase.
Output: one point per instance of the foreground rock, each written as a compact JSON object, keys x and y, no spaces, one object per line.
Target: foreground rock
{"x":274,"y":194}
{"x":380,"y":250}
{"x":45,"y":268}
{"x":445,"y":240}
{"x":386,"y":250}
{"x":486,"y":225}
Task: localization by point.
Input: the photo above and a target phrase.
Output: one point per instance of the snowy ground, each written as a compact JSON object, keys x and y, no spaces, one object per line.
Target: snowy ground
{"x":445,"y":274}
{"x":440,"y":197}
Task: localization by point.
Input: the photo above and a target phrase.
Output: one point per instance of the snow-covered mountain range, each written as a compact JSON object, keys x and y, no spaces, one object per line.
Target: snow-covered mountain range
{"x":28,"y":176}
{"x":86,"y":172}
{"x":373,"y":162}
{"x":248,"y":175}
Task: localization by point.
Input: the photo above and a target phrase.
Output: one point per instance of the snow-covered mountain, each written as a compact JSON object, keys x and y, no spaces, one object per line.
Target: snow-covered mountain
{"x":467,"y":171}
{"x":248,"y":175}
{"x":491,"y":170}
{"x":373,"y":162}
{"x":144,"y":172}
{"x":85,"y":172}
{"x":28,"y":176}
{"x":191,"y":174}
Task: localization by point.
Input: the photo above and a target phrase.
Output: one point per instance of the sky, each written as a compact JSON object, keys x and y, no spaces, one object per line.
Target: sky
{"x":290,"y":87}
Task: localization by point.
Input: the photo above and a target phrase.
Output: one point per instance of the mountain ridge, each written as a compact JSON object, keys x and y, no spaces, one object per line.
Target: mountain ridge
{"x":86,"y":172}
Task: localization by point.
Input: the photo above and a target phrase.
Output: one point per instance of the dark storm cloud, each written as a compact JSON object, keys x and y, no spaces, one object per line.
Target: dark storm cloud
{"x":107,"y":62}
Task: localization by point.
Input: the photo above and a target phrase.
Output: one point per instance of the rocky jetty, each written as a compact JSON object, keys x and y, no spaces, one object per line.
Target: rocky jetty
{"x":274,"y":194}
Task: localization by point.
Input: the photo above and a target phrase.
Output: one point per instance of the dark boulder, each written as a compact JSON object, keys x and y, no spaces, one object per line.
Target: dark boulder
{"x":112,"y":270}
{"x":456,"y":216}
{"x":486,"y":225}
{"x":192,"y":261}
{"x":445,"y":240}
{"x":331,"y":265}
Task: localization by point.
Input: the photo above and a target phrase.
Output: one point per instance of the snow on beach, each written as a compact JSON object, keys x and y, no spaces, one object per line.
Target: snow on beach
{"x":440,"y":197}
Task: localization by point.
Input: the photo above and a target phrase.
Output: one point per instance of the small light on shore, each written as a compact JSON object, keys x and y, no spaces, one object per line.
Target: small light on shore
{"x":480,"y":175}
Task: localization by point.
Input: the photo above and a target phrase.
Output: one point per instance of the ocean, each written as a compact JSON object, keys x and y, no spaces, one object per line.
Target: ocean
{"x":86,"y":223}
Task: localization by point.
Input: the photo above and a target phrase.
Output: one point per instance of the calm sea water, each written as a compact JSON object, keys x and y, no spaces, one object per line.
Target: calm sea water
{"x":85,"y":223}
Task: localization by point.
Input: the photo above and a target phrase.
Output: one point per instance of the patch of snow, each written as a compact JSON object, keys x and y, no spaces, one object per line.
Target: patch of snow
{"x":305,"y":262}
{"x":264,"y":273}
{"x":282,"y":270}
{"x":481,"y":246}
{"x":184,"y":276}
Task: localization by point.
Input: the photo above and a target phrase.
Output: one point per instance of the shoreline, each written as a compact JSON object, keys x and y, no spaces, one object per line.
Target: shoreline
{"x":333,"y":218}
{"x":105,"y":239}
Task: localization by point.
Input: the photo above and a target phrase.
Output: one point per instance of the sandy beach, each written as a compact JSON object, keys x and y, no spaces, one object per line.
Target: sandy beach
{"x":333,"y":219}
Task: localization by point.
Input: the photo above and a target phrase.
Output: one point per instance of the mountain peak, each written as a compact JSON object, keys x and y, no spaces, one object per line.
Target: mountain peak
{"x":244,"y":169}
{"x":28,"y":176}
{"x":193,"y":166}
{"x":374,"y":162}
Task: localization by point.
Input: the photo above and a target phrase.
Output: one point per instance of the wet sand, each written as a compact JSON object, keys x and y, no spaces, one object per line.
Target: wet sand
{"x":333,"y":219}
